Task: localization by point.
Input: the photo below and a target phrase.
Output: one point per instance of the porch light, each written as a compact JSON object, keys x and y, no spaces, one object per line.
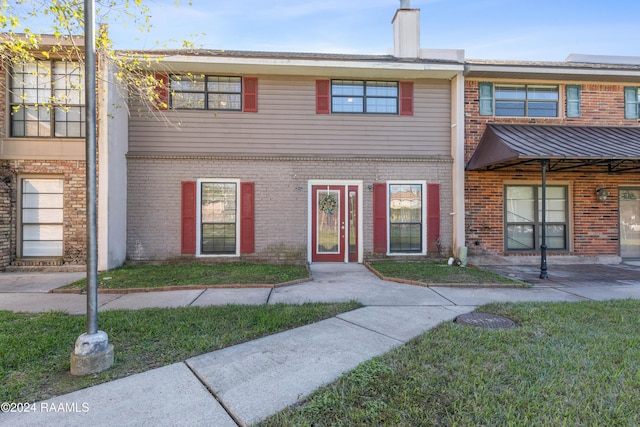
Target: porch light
{"x":602,"y":194}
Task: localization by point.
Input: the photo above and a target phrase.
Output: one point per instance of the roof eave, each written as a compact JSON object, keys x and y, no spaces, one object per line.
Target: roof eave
{"x":309,"y":67}
{"x":552,"y":72}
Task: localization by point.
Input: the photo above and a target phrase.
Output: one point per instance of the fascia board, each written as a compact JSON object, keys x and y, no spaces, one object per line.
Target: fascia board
{"x":310,"y":67}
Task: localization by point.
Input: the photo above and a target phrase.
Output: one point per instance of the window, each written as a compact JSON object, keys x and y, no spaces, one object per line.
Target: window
{"x":47,"y":100}
{"x":206,"y":92}
{"x":42,"y":217}
{"x":516,"y":100}
{"x":218,"y":214}
{"x":631,"y":101}
{"x":358,"y":96}
{"x":523,"y":212}
{"x":406,"y":218}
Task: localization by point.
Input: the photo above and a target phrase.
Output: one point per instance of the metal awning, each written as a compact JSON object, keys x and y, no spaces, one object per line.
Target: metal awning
{"x":555,"y":148}
{"x":565,"y":146}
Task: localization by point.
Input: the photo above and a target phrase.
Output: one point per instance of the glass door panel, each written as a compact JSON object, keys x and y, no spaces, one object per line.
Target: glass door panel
{"x":328,"y":230}
{"x":630,"y":222}
{"x":353,"y":224}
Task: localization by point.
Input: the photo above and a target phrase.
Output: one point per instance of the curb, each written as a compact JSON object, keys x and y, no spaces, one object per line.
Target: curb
{"x":82,"y":291}
{"x":450,"y":285}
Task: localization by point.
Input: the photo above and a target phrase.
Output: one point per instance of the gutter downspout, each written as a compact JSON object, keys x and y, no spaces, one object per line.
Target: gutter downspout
{"x":457,"y":153}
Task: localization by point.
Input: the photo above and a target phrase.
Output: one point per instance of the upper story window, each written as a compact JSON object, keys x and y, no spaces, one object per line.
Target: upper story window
{"x":206,"y":93}
{"x":519,"y":100}
{"x":47,"y":99}
{"x":631,"y":102}
{"x":359,"y":96}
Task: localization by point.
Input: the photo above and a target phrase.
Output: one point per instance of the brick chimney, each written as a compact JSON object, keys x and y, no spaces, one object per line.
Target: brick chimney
{"x":406,"y":31}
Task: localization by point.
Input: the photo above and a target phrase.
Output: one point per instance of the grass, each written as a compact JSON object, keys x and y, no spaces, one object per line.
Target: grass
{"x":566,"y":364}
{"x":440,"y":272}
{"x":36,"y":348}
{"x":187,"y":274}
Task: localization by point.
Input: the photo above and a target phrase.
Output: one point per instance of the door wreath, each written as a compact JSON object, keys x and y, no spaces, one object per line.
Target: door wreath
{"x":328,"y":203}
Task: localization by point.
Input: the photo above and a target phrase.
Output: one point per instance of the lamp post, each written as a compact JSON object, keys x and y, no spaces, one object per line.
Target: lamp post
{"x":543,"y":245}
{"x":92,"y":352}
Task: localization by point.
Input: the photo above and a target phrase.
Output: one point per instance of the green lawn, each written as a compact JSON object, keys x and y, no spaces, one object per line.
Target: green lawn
{"x":440,"y":272}
{"x":155,"y":276}
{"x":566,"y":364}
{"x":36,"y":349}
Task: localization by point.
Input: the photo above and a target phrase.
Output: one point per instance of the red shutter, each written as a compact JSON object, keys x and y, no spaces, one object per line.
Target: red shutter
{"x":189,"y":217}
{"x":406,"y":98}
{"x":323,"y":98}
{"x":380,"y":217}
{"x":433,"y":217}
{"x":247,"y":218}
{"x":250,"y":101}
{"x":161,"y":100}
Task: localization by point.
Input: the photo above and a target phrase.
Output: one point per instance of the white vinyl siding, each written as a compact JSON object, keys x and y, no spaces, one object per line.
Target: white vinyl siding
{"x":287,"y":124}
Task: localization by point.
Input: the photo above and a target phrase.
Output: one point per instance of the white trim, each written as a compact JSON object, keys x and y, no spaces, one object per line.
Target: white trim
{"x":457,"y":153}
{"x":343,"y":183}
{"x":423,"y":250}
{"x":317,"y":67}
{"x":199,"y":183}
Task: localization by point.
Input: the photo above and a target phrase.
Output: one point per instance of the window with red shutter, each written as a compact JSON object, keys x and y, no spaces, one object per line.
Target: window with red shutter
{"x":247,"y":218}
{"x":189,"y":191}
{"x":433,"y":217}
{"x":250,"y":101}
{"x":380,"y":217}
{"x":323,"y":96}
{"x":161,"y":101}
{"x":406,"y":98}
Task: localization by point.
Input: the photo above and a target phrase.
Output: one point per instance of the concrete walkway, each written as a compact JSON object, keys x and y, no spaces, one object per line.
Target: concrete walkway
{"x":246,"y":383}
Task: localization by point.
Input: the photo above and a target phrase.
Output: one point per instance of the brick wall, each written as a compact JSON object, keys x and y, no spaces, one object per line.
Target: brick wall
{"x":593,"y":224}
{"x":281,"y":199}
{"x":5,"y":225}
{"x":73,"y":172}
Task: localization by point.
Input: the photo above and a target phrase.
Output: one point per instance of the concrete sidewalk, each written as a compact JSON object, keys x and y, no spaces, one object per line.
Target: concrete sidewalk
{"x":246,"y":383}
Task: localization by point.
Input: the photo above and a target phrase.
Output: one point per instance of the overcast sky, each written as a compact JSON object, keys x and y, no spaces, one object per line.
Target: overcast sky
{"x":485,"y":29}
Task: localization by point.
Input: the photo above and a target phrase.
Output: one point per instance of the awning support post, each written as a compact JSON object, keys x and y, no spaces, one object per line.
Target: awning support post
{"x":543,"y":245}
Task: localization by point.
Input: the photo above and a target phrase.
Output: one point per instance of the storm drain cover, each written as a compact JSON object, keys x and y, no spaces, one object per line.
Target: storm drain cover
{"x":484,"y":320}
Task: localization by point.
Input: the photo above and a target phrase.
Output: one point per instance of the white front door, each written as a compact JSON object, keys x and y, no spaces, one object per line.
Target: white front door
{"x":42,"y":217}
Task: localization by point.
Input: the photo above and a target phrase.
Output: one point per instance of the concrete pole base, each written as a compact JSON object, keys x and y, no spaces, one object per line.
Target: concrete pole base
{"x":92,"y":354}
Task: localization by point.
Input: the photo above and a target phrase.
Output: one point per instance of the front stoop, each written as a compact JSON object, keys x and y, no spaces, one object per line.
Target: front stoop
{"x":48,"y":265}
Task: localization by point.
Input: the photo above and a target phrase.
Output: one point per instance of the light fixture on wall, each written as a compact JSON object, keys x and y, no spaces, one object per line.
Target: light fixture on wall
{"x":602,"y":194}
